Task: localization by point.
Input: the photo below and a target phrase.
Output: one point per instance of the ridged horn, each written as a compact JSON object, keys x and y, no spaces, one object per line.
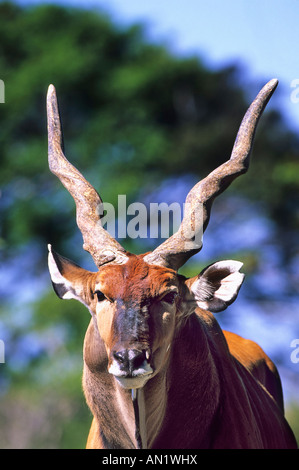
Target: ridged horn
{"x":97,"y":241}
{"x":187,"y":241}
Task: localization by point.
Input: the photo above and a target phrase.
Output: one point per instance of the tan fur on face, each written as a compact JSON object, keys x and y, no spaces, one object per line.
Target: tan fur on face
{"x":142,"y":286}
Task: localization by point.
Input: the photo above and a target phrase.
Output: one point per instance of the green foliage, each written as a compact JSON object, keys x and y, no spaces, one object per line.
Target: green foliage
{"x":129,"y":109}
{"x":132,"y":113}
{"x":292,"y":415}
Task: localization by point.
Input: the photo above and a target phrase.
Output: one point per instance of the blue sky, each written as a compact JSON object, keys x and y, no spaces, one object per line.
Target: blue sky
{"x":261,"y":35}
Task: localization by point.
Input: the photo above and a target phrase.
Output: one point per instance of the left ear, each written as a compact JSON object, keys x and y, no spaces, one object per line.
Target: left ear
{"x":69,"y":280}
{"x":217,"y":286}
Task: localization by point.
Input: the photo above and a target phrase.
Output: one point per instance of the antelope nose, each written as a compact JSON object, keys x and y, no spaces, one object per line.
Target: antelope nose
{"x":130,"y":360}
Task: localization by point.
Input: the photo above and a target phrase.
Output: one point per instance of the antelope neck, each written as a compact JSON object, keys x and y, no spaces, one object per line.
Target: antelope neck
{"x":139,"y":414}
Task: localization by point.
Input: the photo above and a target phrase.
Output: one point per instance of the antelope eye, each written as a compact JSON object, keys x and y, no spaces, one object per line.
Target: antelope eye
{"x":170,"y":297}
{"x":100,"y":295}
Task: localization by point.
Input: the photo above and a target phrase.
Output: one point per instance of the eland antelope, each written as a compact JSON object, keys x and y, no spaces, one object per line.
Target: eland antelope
{"x":159,"y":372}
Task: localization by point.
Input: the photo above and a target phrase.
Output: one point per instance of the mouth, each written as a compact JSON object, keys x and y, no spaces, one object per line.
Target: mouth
{"x":135,"y":379}
{"x":133,"y":382}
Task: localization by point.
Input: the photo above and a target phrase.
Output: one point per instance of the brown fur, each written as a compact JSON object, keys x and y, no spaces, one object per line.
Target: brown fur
{"x":198,"y":387}
{"x":203,"y":398}
{"x":210,"y":389}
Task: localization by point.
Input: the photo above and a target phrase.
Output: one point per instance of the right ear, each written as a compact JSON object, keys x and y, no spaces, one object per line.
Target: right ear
{"x":69,"y":280}
{"x":217,"y":286}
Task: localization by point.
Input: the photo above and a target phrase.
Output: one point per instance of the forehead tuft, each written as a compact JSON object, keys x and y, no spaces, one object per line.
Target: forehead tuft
{"x":134,"y":279}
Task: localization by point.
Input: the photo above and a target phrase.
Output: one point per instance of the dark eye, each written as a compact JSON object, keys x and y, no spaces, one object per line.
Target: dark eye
{"x":170,"y":297}
{"x":100,"y":295}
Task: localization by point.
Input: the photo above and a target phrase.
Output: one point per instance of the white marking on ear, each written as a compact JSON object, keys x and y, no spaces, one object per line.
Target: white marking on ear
{"x":218,"y":285}
{"x":56,"y":276}
{"x":228,"y":286}
{"x":63,"y":288}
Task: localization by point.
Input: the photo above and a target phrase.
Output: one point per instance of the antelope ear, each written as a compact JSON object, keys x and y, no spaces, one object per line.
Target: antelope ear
{"x":67,"y":277}
{"x":217,"y":286}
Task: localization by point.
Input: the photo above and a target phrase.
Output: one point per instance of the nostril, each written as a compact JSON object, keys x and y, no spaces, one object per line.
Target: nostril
{"x":137,"y":358}
{"x":120,"y":356}
{"x":131,"y":359}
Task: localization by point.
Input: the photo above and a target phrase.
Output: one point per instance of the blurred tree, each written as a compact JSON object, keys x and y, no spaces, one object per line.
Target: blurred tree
{"x":129,"y":109}
{"x":133,"y":115}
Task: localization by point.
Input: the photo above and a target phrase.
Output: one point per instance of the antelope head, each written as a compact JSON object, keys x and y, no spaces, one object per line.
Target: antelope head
{"x":138,"y":301}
